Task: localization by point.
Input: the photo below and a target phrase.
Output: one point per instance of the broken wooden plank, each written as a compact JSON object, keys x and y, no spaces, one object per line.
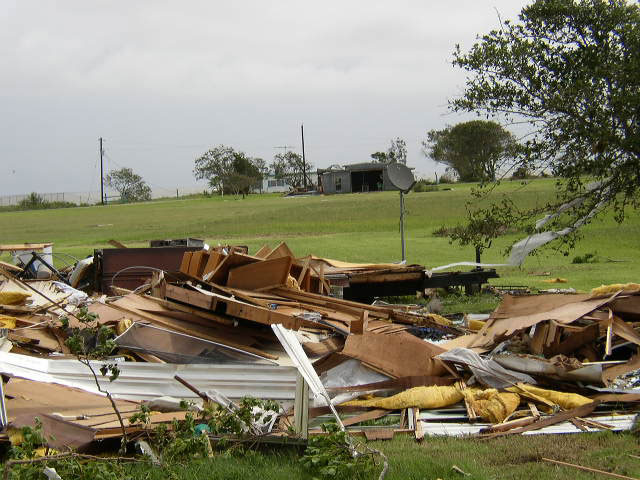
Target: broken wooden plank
{"x":364,"y":417}
{"x":588,"y":469}
{"x":580,"y":411}
{"x":378,"y":434}
{"x":281,"y":250}
{"x":260,"y":275}
{"x":220,"y":274}
{"x":190,"y":297}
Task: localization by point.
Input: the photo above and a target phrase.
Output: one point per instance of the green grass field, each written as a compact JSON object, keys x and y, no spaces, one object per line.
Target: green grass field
{"x":353,"y":227}
{"x":364,"y":227}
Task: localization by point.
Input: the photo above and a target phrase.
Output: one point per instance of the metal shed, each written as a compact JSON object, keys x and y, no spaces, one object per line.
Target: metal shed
{"x":355,"y":178}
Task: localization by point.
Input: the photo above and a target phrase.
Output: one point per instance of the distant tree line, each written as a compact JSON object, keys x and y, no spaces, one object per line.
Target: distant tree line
{"x":229,"y":171}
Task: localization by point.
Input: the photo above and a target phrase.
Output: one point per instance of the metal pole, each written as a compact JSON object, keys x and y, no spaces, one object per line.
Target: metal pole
{"x":101,"y":175}
{"x":404,"y":253}
{"x":304,"y":164}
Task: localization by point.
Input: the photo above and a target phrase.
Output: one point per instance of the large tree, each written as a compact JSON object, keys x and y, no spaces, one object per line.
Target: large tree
{"x":228,"y":170}
{"x":475,"y":150}
{"x":570,"y":70}
{"x":396,"y":153}
{"x":130,"y":185}
{"x":290,"y":167}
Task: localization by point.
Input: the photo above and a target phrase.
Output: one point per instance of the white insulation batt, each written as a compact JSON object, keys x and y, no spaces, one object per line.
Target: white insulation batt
{"x":145,"y":381}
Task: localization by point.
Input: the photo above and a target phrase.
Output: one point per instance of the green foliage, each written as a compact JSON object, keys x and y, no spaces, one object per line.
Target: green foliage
{"x":586,"y":258}
{"x":425,"y":185}
{"x":229,"y":171}
{"x":290,"y":167}
{"x":91,"y":340}
{"x":571,"y":69}
{"x":397,"y":153}
{"x":130,"y":185}
{"x":484,"y":225}
{"x":447,"y":177}
{"x":331,"y":456}
{"x":32,"y":439}
{"x":143,"y":416}
{"x":33,"y":201}
{"x":36,"y":201}
{"x":223,"y":421}
{"x":476,"y":150}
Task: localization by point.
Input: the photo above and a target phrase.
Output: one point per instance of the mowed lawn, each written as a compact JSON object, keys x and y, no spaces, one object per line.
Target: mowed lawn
{"x":352,"y":227}
{"x":365,"y":228}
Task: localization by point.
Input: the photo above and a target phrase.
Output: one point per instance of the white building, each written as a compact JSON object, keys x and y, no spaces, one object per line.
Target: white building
{"x":271,"y":184}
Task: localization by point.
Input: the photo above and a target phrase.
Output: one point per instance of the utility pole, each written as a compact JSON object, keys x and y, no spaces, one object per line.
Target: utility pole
{"x":101,"y":174}
{"x":304,"y":163}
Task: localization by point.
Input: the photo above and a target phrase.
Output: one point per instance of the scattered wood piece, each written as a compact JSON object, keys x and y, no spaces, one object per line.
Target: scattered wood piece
{"x":588,"y":469}
{"x":457,"y":469}
{"x":580,"y":411}
{"x":371,"y":415}
{"x":379,"y":434}
{"x":419,"y":431}
{"x":359,"y":326}
{"x":116,"y":243}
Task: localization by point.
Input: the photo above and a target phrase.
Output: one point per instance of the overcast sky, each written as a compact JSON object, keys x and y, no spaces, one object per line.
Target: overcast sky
{"x":163,"y":81}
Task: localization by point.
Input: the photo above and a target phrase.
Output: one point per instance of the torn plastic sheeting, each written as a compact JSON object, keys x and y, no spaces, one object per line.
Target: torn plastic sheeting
{"x":487,"y":371}
{"x":524,"y":247}
{"x":144,"y":381}
{"x":348,"y":374}
{"x":175,"y":347}
{"x":293,"y":348}
{"x":542,"y":366}
{"x":465,"y":264}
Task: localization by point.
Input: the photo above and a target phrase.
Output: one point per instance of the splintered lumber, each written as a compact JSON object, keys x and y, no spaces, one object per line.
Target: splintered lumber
{"x":565,"y":314}
{"x":212,"y":334}
{"x":260,"y":275}
{"x":11,"y":267}
{"x":371,"y":415}
{"x":263,"y":252}
{"x":400,"y":355}
{"x":588,"y":469}
{"x":281,"y":250}
{"x":506,"y":426}
{"x":330,"y":302}
{"x":220,"y":274}
{"x":190,"y":297}
{"x":581,"y":411}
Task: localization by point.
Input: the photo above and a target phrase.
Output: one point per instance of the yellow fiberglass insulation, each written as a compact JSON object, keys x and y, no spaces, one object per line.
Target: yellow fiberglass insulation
{"x":492,"y":405}
{"x":563,"y":399}
{"x":615,"y":287}
{"x":7,"y":322}
{"x":420,"y":397}
{"x":13,"y":298}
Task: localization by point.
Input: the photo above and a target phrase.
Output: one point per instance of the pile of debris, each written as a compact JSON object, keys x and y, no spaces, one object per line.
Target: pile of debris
{"x":226,"y":325}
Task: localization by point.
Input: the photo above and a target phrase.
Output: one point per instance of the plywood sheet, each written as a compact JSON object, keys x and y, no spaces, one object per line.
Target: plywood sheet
{"x":399,"y":355}
{"x":520,"y":305}
{"x":219,"y":275}
{"x":259,"y":275}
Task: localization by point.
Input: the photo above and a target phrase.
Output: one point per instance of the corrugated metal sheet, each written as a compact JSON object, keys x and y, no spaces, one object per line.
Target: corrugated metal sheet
{"x":144,"y":381}
{"x":618,"y":422}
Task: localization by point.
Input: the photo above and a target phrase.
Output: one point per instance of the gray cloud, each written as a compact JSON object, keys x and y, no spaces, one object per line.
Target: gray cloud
{"x":163,"y":81}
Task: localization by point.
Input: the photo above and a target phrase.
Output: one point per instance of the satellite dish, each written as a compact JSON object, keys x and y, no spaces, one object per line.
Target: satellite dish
{"x":400,"y":176}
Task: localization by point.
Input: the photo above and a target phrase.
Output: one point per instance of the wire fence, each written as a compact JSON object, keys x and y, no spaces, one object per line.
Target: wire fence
{"x":91,"y":198}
